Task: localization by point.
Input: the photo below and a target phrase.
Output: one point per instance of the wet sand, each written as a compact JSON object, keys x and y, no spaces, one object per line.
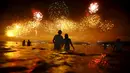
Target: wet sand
{"x":40,"y":58}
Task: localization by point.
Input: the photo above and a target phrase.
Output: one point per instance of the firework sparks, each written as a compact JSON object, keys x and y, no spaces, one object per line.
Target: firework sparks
{"x":14,"y":30}
{"x":35,"y":24}
{"x":10,"y":33}
{"x":106,"y":26}
{"x":58,"y":13}
{"x":93,"y":8}
{"x":49,"y":27}
{"x":57,"y":10}
{"x":65,"y":25}
{"x":91,"y":21}
{"x":21,"y":29}
{"x":38,"y":16}
{"x":32,"y":26}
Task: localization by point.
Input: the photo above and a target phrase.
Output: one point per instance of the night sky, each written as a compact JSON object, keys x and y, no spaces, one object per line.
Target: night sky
{"x":21,"y":9}
{"x":76,"y":7}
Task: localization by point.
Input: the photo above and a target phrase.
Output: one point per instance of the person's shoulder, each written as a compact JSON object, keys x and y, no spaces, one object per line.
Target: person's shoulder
{"x":61,"y":36}
{"x":69,"y":39}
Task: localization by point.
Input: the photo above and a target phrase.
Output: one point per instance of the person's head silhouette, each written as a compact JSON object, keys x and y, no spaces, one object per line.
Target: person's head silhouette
{"x":59,"y":32}
{"x":118,"y":40}
{"x":66,"y":36}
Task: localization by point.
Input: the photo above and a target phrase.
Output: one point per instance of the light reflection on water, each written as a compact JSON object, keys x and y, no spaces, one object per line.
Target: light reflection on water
{"x":12,"y":54}
{"x":16,"y":55}
{"x":25,"y":56}
{"x":12,"y":44}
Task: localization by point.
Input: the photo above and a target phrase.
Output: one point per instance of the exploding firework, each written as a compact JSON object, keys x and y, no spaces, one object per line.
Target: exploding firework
{"x":32,"y":24}
{"x":38,"y":16}
{"x":57,"y":10}
{"x":21,"y":29}
{"x":14,"y":30}
{"x":91,"y":21}
{"x":65,"y":25}
{"x":93,"y":8}
{"x":49,"y":26}
{"x":106,"y":26}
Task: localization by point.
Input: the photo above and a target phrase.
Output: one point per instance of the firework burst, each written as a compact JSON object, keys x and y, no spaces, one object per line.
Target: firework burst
{"x":65,"y":24}
{"x":93,"y":8}
{"x":49,"y":27}
{"x":57,"y":10}
{"x":37,"y":16}
{"x":21,"y":29}
{"x":106,"y":26}
{"x":91,"y":21}
{"x":15,"y":30}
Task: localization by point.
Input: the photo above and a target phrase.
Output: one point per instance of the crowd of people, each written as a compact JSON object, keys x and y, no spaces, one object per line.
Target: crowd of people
{"x":28,"y":43}
{"x":66,"y":42}
{"x":58,"y":41}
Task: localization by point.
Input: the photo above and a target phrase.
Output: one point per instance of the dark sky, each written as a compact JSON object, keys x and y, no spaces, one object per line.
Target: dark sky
{"x":76,"y":7}
{"x":20,"y":9}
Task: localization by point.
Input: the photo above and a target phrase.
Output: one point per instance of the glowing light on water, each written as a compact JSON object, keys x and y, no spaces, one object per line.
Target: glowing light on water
{"x":93,"y":8}
{"x":13,"y":54}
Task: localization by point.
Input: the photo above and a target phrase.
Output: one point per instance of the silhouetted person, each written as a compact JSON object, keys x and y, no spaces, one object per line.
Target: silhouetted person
{"x":105,"y":46}
{"x":58,"y":41}
{"x":118,"y":45}
{"x":29,"y":43}
{"x":23,"y":43}
{"x":67,"y":43}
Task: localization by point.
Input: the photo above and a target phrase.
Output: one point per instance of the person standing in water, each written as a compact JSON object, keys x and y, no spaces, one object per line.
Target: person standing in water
{"x":23,"y":43}
{"x":118,"y":45}
{"x":29,"y":43}
{"x":58,"y":41}
{"x":67,"y":43}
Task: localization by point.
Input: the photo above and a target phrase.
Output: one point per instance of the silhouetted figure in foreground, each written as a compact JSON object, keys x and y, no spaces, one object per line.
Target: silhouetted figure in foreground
{"x":29,"y":43}
{"x":67,"y":43}
{"x":58,"y":41}
{"x":118,"y":45}
{"x":105,"y":46}
{"x":23,"y":43}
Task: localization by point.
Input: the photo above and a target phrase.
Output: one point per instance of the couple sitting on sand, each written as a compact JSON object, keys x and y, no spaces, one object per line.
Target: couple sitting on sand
{"x":59,"y":42}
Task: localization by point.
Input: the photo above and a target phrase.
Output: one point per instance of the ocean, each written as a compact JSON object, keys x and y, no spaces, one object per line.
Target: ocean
{"x":40,"y":58}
